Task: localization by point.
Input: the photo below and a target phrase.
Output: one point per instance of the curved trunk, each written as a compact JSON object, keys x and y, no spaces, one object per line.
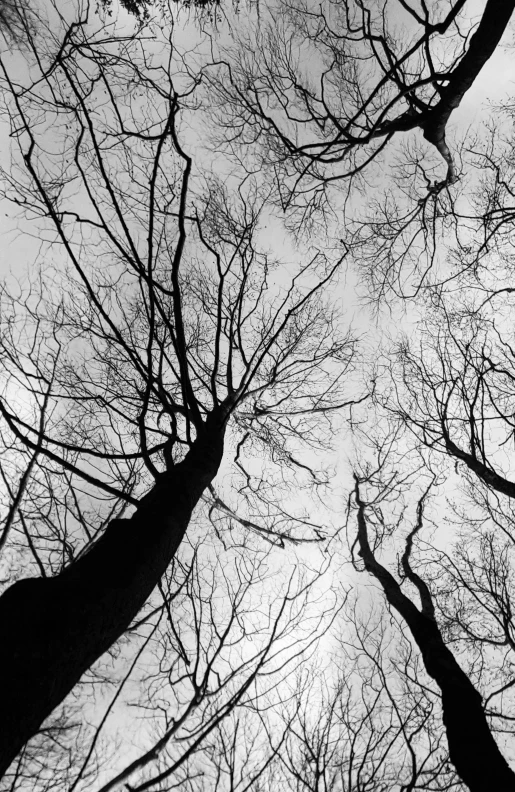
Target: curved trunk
{"x":483,"y":472}
{"x":54,"y":629}
{"x":483,"y":43}
{"x":472,"y":747}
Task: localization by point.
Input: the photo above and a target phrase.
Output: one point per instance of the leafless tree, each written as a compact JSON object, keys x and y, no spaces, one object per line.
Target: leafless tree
{"x":373,"y":725}
{"x":423,"y":602}
{"x":453,"y":391}
{"x":237,"y":630}
{"x":156,"y":320}
{"x":18,"y":19}
{"x":159,"y":360}
{"x":214,"y":646}
{"x":326,"y":88}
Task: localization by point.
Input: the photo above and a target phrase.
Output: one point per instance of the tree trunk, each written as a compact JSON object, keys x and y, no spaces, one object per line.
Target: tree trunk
{"x":486,"y":474}
{"x":472,"y":747}
{"x":54,"y":629}
{"x":482,"y":46}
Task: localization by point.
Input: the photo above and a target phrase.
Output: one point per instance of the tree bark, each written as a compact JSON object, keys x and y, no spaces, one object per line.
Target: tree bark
{"x":482,"y":46}
{"x":486,"y":474}
{"x":433,"y":121}
{"x":54,"y":629}
{"x":472,"y":748}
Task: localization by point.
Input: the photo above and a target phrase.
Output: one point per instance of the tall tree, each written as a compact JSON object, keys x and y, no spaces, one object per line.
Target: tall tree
{"x":155,"y":322}
{"x":328,"y":87}
{"x":159,"y":341}
{"x":223,"y":631}
{"x":372,"y":723}
{"x":381,"y":513}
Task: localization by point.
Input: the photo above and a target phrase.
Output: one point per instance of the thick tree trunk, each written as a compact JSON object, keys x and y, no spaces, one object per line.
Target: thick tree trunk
{"x":54,"y":629}
{"x":482,"y":46}
{"x":472,"y":748}
{"x":433,"y":122}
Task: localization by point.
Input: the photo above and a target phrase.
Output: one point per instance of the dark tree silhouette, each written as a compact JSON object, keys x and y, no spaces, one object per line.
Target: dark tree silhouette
{"x":237,"y":630}
{"x":373,"y":723}
{"x":456,"y":392}
{"x":327,"y":88}
{"x":218,"y":638}
{"x":157,"y":323}
{"x":157,"y":342}
{"x":472,"y":747}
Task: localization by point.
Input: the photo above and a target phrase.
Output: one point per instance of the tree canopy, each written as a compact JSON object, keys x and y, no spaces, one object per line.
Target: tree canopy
{"x":256,"y":403}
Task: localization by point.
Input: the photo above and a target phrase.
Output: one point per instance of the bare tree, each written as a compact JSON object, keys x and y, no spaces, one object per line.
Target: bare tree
{"x":453,"y":391}
{"x":18,"y":20}
{"x":158,"y":342}
{"x":472,"y":747}
{"x":329,"y":86}
{"x":236,"y":631}
{"x":374,"y":724}
{"x":154,"y":322}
